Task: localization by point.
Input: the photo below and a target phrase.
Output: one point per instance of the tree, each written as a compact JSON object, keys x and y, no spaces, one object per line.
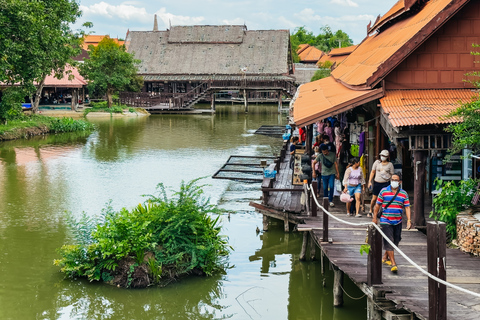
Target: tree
{"x":110,"y":68}
{"x":465,"y":132}
{"x":36,"y":41}
{"x":320,"y":74}
{"x":326,"y":40}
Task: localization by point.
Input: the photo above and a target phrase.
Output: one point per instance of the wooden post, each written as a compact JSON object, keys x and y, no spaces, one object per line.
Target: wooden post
{"x":313,"y":205}
{"x":419,"y":188}
{"x":312,"y":247}
{"x":213,"y":102}
{"x":372,"y":311}
{"x":303,"y":252}
{"x":377,"y":134}
{"x":266,"y":220}
{"x":279,"y":101}
{"x":374,"y":260}
{"x":286,"y":226}
{"x":309,"y":137}
{"x":436,"y":249}
{"x":325,"y":220}
{"x":245,"y":101}
{"x":337,"y":287}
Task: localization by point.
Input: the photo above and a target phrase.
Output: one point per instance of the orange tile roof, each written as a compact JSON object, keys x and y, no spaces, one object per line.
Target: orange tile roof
{"x":342,"y":51}
{"x":302,"y":47}
{"x":423,"y":107}
{"x":326,"y":97}
{"x":77,"y":82}
{"x":380,"y":53}
{"x":93,"y":39}
{"x":397,"y":9}
{"x":310,"y":54}
{"x":334,"y":60}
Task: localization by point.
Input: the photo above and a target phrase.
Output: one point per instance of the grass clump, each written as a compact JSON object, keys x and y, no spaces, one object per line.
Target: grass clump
{"x":153,"y":243}
{"x":25,"y":126}
{"x":102,"y":106}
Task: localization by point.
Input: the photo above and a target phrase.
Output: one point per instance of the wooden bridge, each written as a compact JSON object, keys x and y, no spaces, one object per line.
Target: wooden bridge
{"x":175,"y":102}
{"x":408,"y":294}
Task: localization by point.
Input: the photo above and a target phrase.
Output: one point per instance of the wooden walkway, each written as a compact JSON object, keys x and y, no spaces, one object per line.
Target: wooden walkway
{"x":404,"y":292}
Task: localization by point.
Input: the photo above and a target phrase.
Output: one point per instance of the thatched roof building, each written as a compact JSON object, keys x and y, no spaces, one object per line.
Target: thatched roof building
{"x":225,"y":52}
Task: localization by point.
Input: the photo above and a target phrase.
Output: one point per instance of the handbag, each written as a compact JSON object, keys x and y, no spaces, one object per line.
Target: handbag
{"x":380,"y":211}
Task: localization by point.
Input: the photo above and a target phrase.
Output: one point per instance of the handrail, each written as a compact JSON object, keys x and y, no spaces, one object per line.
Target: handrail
{"x":399,"y":251}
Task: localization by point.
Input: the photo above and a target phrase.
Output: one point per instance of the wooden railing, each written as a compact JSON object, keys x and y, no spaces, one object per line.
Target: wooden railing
{"x":187,"y":99}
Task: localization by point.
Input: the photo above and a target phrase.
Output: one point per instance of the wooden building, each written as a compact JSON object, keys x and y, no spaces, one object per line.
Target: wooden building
{"x":406,"y":74}
{"x":185,"y":64}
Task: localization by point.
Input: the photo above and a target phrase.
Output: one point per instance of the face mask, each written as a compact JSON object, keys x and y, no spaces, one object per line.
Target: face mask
{"x":395,"y":184}
{"x":383,"y":158}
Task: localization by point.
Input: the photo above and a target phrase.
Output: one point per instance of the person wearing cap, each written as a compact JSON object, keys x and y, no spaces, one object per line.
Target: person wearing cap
{"x":329,"y":171}
{"x":382,"y":171}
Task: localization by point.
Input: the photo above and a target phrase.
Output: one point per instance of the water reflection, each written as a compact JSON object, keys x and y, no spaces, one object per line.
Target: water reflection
{"x":43,"y":177}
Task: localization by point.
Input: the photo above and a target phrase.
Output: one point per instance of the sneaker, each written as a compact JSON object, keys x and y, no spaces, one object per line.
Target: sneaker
{"x":394,"y":269}
{"x":332,"y":204}
{"x":348,"y":214}
{"x":358,"y":215}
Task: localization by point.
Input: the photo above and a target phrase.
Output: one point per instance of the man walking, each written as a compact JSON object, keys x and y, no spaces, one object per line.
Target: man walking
{"x":329,"y":171}
{"x":392,"y":200}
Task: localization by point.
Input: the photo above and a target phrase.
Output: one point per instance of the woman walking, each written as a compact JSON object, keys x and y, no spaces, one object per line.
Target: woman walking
{"x":354,"y":183}
{"x":382,"y":171}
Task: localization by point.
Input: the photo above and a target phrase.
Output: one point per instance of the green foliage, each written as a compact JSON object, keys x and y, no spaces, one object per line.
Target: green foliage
{"x":110,"y":68}
{"x":68,"y":125}
{"x":451,"y":200}
{"x":320,"y":74}
{"x":465,"y":133}
{"x":11,"y":103}
{"x":102,"y":107}
{"x":161,"y":234}
{"x":326,"y":40}
{"x":36,"y":39}
{"x":131,"y":110}
{"x":364,"y":248}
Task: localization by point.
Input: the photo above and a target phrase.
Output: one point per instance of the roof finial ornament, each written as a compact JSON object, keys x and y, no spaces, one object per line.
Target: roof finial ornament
{"x":155,"y":24}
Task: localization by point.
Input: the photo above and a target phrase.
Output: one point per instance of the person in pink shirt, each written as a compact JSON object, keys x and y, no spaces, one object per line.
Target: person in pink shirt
{"x":354,"y":184}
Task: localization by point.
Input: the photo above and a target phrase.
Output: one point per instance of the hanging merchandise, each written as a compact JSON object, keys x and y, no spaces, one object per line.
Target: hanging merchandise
{"x":363,"y":165}
{"x":355,"y":130}
{"x":354,"y":150}
{"x":361,"y":140}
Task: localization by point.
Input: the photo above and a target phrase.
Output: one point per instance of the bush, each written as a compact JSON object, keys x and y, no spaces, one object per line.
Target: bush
{"x":451,"y":200}
{"x":68,"y":125}
{"x":154,"y":242}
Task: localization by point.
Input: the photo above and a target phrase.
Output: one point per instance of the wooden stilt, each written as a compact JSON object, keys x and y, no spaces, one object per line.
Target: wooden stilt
{"x":312,"y":247}
{"x":279,"y":101}
{"x":286,"y":223}
{"x":265,"y":222}
{"x":304,"y":246}
{"x":245,"y":101}
{"x":337,"y":287}
{"x":213,"y":102}
{"x":372,"y":312}
{"x":322,"y":267}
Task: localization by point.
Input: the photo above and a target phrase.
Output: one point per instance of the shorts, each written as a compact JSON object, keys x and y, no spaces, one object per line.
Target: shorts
{"x":353,"y":190}
{"x":394,"y":233}
{"x":378,"y":186}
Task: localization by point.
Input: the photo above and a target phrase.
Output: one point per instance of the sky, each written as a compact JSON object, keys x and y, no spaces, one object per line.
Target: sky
{"x":114,"y":18}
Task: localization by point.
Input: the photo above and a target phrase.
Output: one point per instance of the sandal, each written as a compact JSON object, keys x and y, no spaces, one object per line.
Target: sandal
{"x":387,"y":262}
{"x":370,"y":215}
{"x":394,"y":269}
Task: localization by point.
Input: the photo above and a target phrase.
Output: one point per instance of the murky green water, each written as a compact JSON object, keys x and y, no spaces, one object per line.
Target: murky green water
{"x":42,"y":178}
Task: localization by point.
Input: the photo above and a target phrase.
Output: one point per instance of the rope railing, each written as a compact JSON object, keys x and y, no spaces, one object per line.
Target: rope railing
{"x":448,"y":284}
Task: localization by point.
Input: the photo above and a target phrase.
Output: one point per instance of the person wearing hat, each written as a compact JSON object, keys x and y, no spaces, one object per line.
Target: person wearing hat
{"x":382,"y":171}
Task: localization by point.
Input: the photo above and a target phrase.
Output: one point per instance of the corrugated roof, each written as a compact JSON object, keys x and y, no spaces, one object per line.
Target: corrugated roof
{"x":342,"y":51}
{"x":334,"y":60}
{"x":76,"y":82}
{"x":380,"y":53}
{"x":194,"y":77}
{"x":310,"y":54}
{"x":261,"y":52}
{"x":326,"y":97}
{"x":397,"y":9}
{"x":304,"y":72}
{"x":423,"y":107}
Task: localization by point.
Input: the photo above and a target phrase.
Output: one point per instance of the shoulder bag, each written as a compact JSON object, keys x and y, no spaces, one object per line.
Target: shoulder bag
{"x":380,"y":211}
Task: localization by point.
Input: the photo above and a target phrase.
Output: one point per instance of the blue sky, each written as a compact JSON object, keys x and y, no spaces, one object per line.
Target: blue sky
{"x":115,"y":18}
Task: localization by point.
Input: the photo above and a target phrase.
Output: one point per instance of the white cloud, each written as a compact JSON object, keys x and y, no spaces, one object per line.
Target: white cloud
{"x":122,"y":11}
{"x":307,"y":15}
{"x":236,"y":21}
{"x":345,"y":3}
{"x":169,"y":18}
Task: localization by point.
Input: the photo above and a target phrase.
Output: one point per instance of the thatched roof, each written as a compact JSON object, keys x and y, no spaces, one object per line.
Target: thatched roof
{"x":211,"y":50}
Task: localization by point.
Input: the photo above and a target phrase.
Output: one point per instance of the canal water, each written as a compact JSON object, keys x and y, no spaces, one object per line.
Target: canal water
{"x":42,"y":178}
